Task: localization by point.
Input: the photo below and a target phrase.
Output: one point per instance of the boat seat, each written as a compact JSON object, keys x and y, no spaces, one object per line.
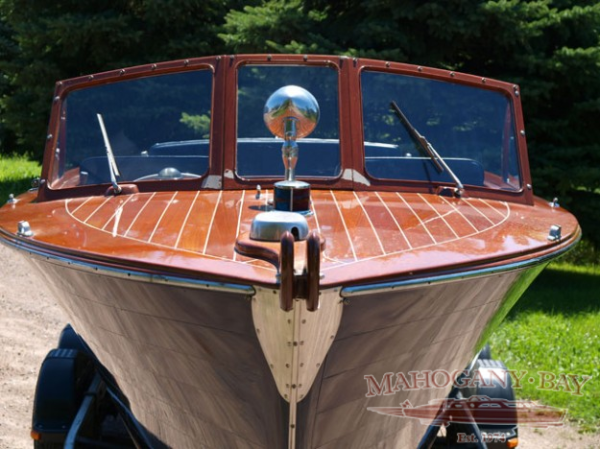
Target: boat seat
{"x":134,"y":167}
{"x":182,"y":148}
{"x":468,"y":171}
{"x":262,"y":157}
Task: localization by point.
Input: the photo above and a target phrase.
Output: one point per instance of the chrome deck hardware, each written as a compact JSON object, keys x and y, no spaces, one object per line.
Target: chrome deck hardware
{"x":270,"y":226}
{"x":24,"y":229}
{"x":291,"y":113}
{"x":555,"y":233}
{"x":12,"y":199}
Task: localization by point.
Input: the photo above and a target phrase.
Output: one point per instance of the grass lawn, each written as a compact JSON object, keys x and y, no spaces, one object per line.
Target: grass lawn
{"x":16,"y":173}
{"x":555,"y":328}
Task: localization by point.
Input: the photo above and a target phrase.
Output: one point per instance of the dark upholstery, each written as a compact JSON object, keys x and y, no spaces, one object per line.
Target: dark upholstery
{"x":134,"y":167}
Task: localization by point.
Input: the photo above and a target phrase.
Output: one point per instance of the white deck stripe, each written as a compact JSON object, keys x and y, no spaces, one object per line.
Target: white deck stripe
{"x":161,"y":216}
{"x":315,"y":215}
{"x":431,"y":245}
{"x":492,"y":207}
{"x":394,"y":218}
{"x":187,"y":216}
{"x":237,"y":231}
{"x":118,"y":211}
{"x":97,"y":209}
{"x":212,"y":220}
{"x":479,"y":212}
{"x":418,"y":218}
{"x":81,"y":205}
{"x":270,"y":269}
{"x":344,"y":224}
{"x":460,"y":213}
{"x":439,"y":215}
{"x":325,"y":256}
{"x":139,"y":213}
{"x":370,"y":223}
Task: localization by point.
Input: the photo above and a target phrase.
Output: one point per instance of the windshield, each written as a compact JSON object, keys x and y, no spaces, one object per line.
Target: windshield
{"x":157,"y":128}
{"x":258,"y":152}
{"x":472,"y":129}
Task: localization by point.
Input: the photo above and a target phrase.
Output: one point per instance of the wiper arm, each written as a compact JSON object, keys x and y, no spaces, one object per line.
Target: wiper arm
{"x":112,"y":163}
{"x":425,"y":145}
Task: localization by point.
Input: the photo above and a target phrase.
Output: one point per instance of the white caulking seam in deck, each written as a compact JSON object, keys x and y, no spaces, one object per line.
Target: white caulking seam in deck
{"x":239,"y":222}
{"x":162,"y":216}
{"x":460,"y":213}
{"x":81,"y":205}
{"x":478,"y":211}
{"x":418,"y":218}
{"x":139,"y":213}
{"x":344,"y":224}
{"x":325,"y":256}
{"x":119,"y":207}
{"x":312,"y":205}
{"x":394,"y":218}
{"x":438,"y":214}
{"x":187,"y":216}
{"x":159,"y":245}
{"x":492,"y":207}
{"x":431,"y":244}
{"x":97,"y":209}
{"x":370,"y":223}
{"x":212,"y":220}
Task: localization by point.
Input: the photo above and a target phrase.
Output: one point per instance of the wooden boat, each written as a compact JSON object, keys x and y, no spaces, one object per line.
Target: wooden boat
{"x":240,"y":301}
{"x":482,"y":409}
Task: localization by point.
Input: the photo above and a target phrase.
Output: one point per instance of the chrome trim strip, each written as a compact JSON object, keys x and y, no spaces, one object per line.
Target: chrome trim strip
{"x":348,"y":292}
{"x":130,"y":274}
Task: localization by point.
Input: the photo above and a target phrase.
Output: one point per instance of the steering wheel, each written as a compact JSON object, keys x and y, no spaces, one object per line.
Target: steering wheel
{"x":168,"y":174}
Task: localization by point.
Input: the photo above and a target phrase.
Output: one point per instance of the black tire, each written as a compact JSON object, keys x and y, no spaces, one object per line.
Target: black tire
{"x":42,"y":445}
{"x":486,"y":353}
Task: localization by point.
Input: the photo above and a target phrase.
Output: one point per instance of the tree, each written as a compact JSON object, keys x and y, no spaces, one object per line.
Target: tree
{"x":8,"y":51}
{"x":550,"y":48}
{"x":58,"y":40}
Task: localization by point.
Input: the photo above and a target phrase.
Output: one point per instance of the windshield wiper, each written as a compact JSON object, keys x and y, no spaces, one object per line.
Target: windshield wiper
{"x":425,"y":145}
{"x":112,"y":163}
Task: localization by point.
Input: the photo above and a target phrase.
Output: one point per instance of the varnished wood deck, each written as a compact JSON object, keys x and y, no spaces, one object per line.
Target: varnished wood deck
{"x":358,"y":225}
{"x":369,"y":235}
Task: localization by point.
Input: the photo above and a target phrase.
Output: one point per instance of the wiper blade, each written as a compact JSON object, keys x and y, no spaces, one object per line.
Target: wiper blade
{"x":425,"y":145}
{"x":110,"y":156}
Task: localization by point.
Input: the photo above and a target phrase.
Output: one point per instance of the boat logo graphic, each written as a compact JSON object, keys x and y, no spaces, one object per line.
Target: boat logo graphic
{"x":480,"y":409}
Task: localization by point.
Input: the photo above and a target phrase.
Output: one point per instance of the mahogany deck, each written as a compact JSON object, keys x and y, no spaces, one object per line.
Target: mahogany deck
{"x":369,"y":235}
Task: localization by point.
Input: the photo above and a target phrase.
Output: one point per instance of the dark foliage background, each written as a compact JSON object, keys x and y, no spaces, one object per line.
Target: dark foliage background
{"x":551,"y":48}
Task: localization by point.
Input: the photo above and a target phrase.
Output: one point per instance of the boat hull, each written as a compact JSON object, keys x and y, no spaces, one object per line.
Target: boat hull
{"x":193,"y":370}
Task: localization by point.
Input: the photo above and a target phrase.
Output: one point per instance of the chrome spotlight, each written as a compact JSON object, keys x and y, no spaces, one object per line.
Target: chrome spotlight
{"x":291,"y":113}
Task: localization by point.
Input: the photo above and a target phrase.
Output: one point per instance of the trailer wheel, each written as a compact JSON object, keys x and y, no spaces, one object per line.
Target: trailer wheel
{"x":69,"y":339}
{"x":42,"y":445}
{"x":486,"y":353}
{"x":498,"y":386}
{"x":63,"y":379}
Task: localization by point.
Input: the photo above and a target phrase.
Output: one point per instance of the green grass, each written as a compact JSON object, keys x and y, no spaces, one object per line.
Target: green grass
{"x":16,"y":173}
{"x":555,"y":327}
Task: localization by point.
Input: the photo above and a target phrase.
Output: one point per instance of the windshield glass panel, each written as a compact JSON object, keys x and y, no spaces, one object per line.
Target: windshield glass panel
{"x":472,"y":129}
{"x":258,"y":151}
{"x":158,"y":128}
